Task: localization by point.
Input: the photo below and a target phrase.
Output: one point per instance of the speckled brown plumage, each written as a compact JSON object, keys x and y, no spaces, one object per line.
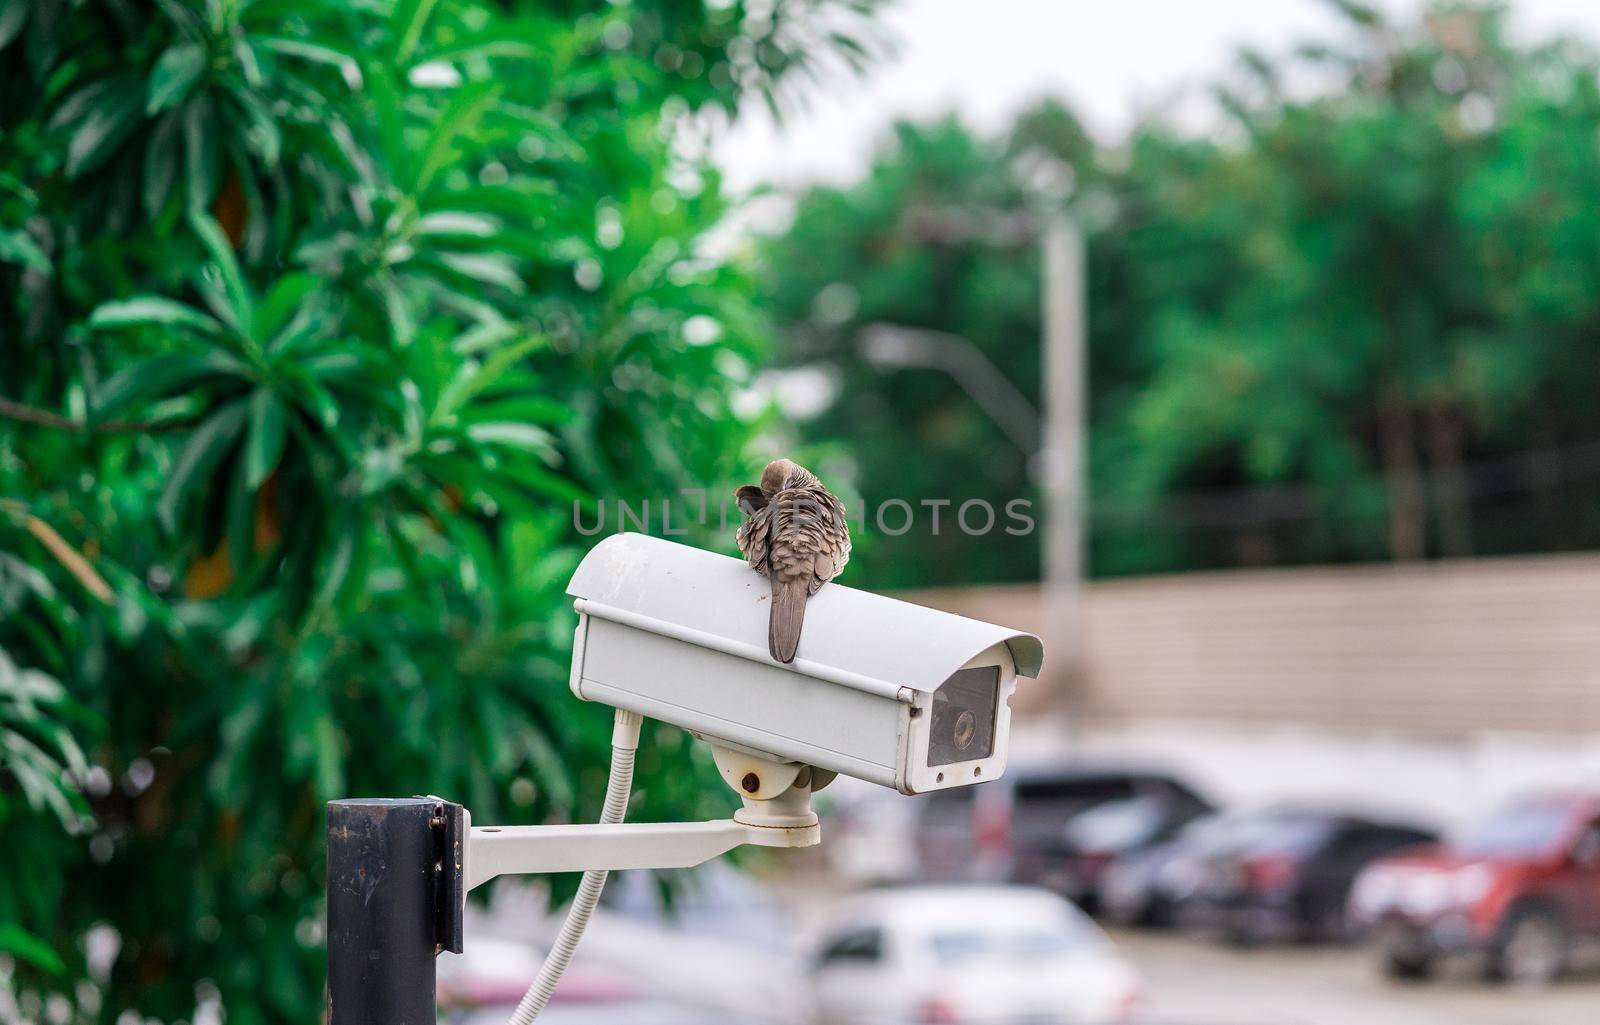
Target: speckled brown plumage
{"x":795,"y":534}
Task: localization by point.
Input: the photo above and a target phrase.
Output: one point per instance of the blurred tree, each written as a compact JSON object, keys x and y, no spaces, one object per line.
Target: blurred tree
{"x":911,"y":246}
{"x":1344,"y":302}
{"x":316,"y":319}
{"x":1350,"y":323}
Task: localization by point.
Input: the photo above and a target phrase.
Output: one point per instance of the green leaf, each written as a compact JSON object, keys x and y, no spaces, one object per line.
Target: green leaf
{"x":315,"y":52}
{"x":315,"y":397}
{"x":174,"y":76}
{"x":410,"y":16}
{"x":152,"y":309}
{"x":282,"y":302}
{"x":206,"y":446}
{"x":455,"y":222}
{"x":491,"y":270}
{"x":397,"y":305}
{"x":517,"y":205}
{"x":389,"y":116}
{"x":227,"y":267}
{"x":516,"y":435}
{"x":539,"y":480}
{"x":494,"y":43}
{"x":334,"y":365}
{"x":483,"y":337}
{"x":460,"y":117}
{"x":77,"y":106}
{"x":523,"y":408}
{"x":161,"y":155}
{"x":161,"y":376}
{"x":239,"y":519}
{"x":107,"y":123}
{"x":245,"y":54}
{"x":202,"y":153}
{"x":240,"y":726}
{"x":473,"y":380}
{"x":262,"y":133}
{"x":329,"y":759}
{"x":266,"y":438}
{"x":24,"y":946}
{"x":187,"y":19}
{"x":336,"y":569}
{"x":19,"y":247}
{"x":13,"y":16}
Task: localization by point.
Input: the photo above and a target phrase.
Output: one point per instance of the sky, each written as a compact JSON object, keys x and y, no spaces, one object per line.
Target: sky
{"x":989,"y":58}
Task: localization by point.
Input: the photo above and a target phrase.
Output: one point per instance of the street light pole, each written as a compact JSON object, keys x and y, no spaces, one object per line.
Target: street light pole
{"x":1050,"y":223}
{"x":1065,"y":302}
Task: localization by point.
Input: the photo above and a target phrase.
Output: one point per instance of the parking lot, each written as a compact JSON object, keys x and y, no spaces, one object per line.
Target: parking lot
{"x":1197,"y":983}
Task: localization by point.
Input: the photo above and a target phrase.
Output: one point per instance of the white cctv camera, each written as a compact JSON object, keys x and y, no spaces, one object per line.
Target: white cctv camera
{"x":883,"y":690}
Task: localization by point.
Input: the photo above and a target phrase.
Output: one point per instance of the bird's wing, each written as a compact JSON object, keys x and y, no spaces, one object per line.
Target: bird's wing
{"x":754,"y":539}
{"x":812,"y":535}
{"x":832,"y":553}
{"x":823,"y":569}
{"x":751,"y":499}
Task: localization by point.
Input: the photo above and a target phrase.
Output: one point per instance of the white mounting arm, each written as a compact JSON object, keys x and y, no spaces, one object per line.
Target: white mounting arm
{"x":508,"y":850}
{"x":776,"y":813}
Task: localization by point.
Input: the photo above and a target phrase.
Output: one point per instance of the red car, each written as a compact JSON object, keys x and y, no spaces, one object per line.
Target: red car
{"x":1520,"y":890}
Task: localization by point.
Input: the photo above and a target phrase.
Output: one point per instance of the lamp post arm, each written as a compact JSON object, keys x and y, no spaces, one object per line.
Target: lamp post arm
{"x":895,"y":345}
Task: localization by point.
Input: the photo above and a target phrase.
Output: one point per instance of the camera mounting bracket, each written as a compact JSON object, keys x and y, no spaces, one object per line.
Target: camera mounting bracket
{"x":776,"y":813}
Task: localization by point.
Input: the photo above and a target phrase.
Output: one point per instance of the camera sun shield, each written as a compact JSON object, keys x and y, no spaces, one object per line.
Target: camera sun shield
{"x":883,"y":690}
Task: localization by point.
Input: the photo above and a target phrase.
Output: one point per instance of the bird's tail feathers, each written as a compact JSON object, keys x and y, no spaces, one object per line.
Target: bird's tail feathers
{"x":786,"y":618}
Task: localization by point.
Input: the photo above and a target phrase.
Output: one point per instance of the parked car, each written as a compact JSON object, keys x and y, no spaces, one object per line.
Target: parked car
{"x":968,"y":954}
{"x":1519,"y":890}
{"x":1146,"y":887}
{"x":1076,"y":863}
{"x":1003,"y":830}
{"x":1286,"y":874}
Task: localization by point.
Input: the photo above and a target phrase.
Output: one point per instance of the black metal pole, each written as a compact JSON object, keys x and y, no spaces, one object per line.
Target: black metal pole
{"x":394,"y":901}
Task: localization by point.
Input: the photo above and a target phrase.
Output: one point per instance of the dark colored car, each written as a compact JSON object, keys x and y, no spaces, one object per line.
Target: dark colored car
{"x":1004,"y":830}
{"x":1520,"y":890}
{"x":1076,"y":863}
{"x":1146,"y":887}
{"x":1287,"y":874}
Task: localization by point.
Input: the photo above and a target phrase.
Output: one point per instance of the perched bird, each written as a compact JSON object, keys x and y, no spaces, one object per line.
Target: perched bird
{"x":794,"y":534}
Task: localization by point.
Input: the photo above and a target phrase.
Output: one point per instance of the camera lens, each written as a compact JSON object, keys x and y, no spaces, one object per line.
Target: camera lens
{"x":966,"y":728}
{"x":961,"y":726}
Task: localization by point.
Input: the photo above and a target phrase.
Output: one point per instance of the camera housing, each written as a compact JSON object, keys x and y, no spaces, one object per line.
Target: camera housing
{"x":883,"y":690}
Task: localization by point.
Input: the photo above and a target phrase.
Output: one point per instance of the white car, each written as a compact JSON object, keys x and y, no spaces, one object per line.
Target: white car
{"x":968,"y":955}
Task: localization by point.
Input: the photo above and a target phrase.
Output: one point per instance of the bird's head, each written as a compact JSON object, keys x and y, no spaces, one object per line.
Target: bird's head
{"x":776,"y":473}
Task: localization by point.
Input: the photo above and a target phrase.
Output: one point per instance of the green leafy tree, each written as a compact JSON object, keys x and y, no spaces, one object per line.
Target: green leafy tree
{"x":909,"y":246}
{"x":1342,"y":308}
{"x":318,"y":319}
{"x":1350,"y":324}
{"x":39,"y":755}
